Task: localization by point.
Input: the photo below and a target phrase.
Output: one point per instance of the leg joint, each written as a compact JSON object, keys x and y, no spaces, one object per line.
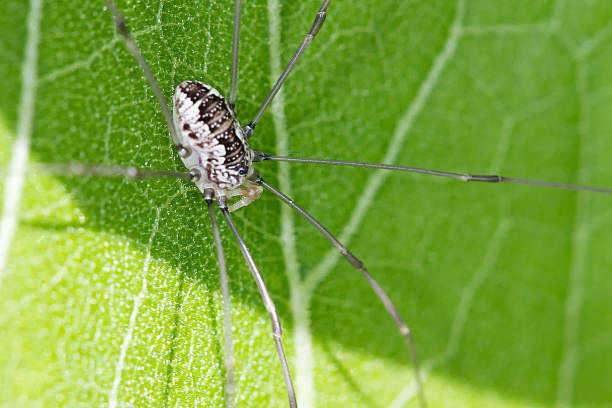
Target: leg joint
{"x":318,"y":23}
{"x":122,"y":26}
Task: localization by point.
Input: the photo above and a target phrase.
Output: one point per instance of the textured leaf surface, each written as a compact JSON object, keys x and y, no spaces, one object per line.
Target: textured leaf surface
{"x":110,"y":293}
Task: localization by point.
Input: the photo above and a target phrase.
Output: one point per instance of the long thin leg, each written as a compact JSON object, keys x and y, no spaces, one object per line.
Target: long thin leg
{"x":235,"y":43}
{"x":489,"y":178}
{"x":124,"y":30}
{"x":268,"y":303}
{"x":228,"y":344}
{"x":112,"y":171}
{"x":314,"y":30}
{"x":357,"y":264}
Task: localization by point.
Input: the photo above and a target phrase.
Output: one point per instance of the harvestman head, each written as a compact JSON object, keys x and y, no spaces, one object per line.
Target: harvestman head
{"x":214,"y":148}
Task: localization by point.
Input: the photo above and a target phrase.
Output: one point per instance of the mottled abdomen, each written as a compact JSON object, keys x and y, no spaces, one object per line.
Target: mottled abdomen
{"x":208,"y":127}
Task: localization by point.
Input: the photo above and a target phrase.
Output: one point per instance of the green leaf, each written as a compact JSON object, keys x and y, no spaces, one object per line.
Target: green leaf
{"x":110,"y":294}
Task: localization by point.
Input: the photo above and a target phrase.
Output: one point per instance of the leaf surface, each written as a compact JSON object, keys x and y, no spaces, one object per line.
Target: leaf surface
{"x":110,"y":295}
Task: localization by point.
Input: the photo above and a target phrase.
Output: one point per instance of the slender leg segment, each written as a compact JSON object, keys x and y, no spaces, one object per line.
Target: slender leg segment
{"x":228,"y":344}
{"x":488,"y":178}
{"x":124,"y":30}
{"x":314,"y":30}
{"x":357,"y":264}
{"x":79,"y":169}
{"x":268,"y":303}
{"x":235,"y":44}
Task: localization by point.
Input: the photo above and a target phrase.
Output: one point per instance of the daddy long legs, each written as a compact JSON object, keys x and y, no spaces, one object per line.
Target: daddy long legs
{"x":93,"y":170}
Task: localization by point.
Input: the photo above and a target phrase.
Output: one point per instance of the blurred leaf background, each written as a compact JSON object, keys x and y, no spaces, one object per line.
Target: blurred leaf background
{"x":110,"y":293}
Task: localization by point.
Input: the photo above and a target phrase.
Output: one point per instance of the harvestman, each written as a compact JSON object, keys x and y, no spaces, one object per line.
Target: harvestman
{"x":213,"y":146}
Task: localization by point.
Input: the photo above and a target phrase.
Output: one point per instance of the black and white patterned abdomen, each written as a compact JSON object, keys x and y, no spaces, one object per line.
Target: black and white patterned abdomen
{"x":208,"y":127}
